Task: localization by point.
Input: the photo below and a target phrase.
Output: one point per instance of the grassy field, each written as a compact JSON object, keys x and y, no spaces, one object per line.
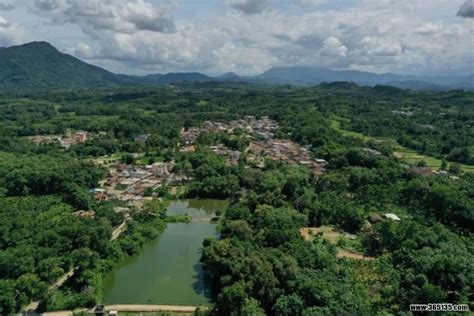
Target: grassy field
{"x":336,"y":124}
{"x":405,"y":154}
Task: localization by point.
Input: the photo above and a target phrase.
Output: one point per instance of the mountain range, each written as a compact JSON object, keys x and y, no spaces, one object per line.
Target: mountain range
{"x":39,"y":65}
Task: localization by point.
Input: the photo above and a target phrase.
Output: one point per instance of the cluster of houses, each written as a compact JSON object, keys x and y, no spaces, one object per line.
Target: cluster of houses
{"x":134,"y":184}
{"x":232,"y":155}
{"x":66,"y":140}
{"x":285,"y":150}
{"x":263,"y":145}
{"x":263,"y":127}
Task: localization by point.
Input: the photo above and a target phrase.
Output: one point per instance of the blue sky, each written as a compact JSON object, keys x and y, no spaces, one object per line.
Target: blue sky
{"x":250,"y":36}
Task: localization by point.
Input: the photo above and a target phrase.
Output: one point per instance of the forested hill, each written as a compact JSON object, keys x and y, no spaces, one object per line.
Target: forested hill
{"x":39,"y":65}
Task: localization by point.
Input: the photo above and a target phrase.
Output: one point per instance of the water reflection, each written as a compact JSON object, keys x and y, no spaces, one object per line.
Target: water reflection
{"x":167,"y":270}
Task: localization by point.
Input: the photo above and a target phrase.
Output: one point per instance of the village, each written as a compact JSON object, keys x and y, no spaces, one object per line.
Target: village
{"x":135,"y":184}
{"x":67,"y":140}
{"x":263,"y":144}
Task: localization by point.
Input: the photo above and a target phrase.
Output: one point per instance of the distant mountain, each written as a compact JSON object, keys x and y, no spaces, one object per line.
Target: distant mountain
{"x":229,"y":76}
{"x":314,"y":75}
{"x":40,"y":65}
{"x":307,"y":76}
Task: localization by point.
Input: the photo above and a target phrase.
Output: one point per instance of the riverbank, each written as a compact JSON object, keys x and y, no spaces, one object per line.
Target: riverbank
{"x":145,"y":308}
{"x":134,"y":308}
{"x":167,"y":270}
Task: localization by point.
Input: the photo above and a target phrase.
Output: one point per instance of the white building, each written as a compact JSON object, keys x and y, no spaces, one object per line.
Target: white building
{"x":392,"y":216}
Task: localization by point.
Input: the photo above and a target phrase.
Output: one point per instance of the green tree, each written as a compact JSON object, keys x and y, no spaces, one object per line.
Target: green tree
{"x":232,"y":298}
{"x":7,"y":297}
{"x":289,"y":305}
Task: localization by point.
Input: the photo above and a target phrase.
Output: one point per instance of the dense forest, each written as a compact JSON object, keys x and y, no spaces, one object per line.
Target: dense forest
{"x":375,"y":140}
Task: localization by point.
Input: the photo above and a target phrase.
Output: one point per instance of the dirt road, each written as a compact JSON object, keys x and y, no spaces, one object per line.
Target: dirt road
{"x":115,"y":234}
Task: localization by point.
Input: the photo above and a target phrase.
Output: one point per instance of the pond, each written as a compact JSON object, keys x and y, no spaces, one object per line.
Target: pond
{"x":167,"y":270}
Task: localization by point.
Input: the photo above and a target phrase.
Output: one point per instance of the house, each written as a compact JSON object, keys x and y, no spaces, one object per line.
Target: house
{"x":138,"y":174}
{"x":442,"y":173}
{"x":102,"y":196}
{"x":118,"y":209}
{"x":321,"y":161}
{"x":66,"y":142}
{"x":141,"y":138}
{"x":121,"y":166}
{"x":97,"y":190}
{"x":188,"y":149}
{"x":392,"y":216}
{"x":84,"y":214}
{"x":350,"y":236}
{"x":79,"y":137}
{"x":159,"y":169}
{"x":372,"y":151}
{"x":127,"y":182}
{"x":125,"y":173}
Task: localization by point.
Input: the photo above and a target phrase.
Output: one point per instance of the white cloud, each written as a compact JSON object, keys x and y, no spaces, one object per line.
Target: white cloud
{"x":387,"y":49}
{"x":3,"y":23}
{"x":109,"y":15}
{"x":12,"y":33}
{"x":82,"y":50}
{"x":333,"y":47}
{"x":430,"y":28}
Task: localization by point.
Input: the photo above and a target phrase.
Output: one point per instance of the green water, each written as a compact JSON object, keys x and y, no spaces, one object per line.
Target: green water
{"x":167,"y":270}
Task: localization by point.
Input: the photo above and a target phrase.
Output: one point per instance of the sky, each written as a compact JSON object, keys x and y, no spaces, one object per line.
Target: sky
{"x":423,"y":37}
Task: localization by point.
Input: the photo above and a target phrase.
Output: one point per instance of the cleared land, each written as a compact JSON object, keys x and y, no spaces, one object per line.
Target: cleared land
{"x":333,"y":236}
{"x":327,"y":232}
